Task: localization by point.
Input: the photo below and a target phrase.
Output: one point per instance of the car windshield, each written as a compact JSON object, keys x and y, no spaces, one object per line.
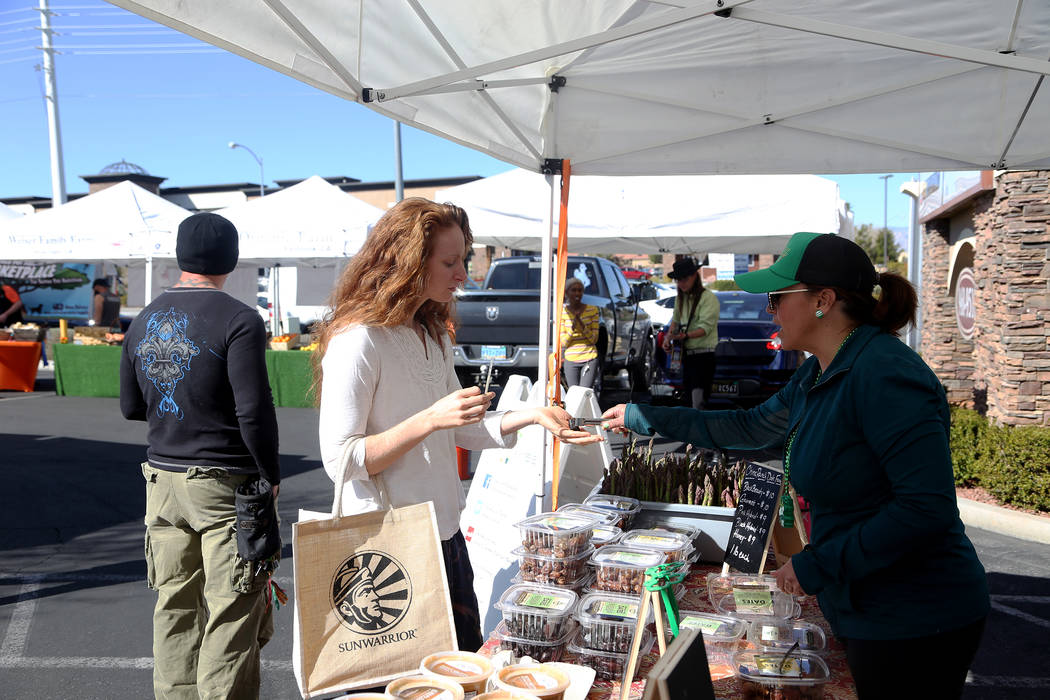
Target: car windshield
{"x":526,"y":275}
{"x":743,"y":307}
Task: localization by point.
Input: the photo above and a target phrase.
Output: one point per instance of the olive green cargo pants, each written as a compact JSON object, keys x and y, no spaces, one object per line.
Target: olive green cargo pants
{"x":212,"y":615}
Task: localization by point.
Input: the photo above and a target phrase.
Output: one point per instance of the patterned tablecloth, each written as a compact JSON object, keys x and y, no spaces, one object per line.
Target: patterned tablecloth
{"x":839,"y":688}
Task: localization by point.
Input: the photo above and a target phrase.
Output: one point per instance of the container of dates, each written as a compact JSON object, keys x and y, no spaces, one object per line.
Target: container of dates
{"x":607,"y":621}
{"x":561,"y":571}
{"x":601,"y":515}
{"x":773,"y":635}
{"x":621,"y":569}
{"x":580,"y":584}
{"x":676,"y":547}
{"x":625,"y":507}
{"x":541,"y":650}
{"x":537,"y":612}
{"x":723,"y":637}
{"x":607,"y":665}
{"x":605,"y":534}
{"x":767,"y":675}
{"x":556,"y":534}
{"x":756,"y":601}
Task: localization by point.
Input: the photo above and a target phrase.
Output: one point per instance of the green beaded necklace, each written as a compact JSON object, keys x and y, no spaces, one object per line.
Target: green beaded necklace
{"x":787,"y":505}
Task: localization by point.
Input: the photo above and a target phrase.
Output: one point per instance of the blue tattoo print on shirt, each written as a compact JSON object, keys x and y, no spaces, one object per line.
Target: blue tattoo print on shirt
{"x":166,"y":352}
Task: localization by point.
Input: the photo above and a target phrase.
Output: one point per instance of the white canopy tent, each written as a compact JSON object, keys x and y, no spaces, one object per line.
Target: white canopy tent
{"x":648,"y":214}
{"x":7,"y":212}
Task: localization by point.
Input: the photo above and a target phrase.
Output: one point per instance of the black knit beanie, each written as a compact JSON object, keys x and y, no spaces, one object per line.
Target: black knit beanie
{"x":207,"y":245}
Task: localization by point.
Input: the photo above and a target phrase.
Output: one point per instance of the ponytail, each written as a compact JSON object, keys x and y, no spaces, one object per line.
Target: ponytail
{"x":894,"y":309}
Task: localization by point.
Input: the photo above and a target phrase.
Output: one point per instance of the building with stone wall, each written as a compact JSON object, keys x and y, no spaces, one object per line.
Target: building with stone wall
{"x":986,"y":296}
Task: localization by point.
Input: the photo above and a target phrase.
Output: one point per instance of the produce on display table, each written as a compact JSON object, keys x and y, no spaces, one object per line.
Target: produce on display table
{"x":703,"y":478}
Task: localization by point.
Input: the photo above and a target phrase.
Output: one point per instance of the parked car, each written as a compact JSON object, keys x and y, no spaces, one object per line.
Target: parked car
{"x":750,"y":365}
{"x":660,"y":310}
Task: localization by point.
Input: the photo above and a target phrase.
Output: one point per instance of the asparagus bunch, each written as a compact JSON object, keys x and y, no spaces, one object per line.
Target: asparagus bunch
{"x":705,"y":477}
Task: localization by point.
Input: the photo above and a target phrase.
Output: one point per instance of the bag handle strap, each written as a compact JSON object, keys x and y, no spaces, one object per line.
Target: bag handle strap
{"x":340,"y":484}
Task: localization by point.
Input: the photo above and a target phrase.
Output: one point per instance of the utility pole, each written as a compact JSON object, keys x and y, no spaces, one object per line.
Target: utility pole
{"x":399,"y":180}
{"x":58,"y":171}
{"x":885,"y":227}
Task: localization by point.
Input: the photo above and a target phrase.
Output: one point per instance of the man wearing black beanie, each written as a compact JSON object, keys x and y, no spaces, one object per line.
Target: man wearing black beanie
{"x":193,"y":367}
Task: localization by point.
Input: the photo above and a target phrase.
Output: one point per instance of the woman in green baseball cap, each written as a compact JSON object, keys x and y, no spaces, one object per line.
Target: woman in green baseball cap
{"x":863,"y":425}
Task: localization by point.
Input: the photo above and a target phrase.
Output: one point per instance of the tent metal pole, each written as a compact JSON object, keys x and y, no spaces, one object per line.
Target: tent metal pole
{"x":148,"y":293}
{"x":545,"y":323}
{"x":300,"y":30}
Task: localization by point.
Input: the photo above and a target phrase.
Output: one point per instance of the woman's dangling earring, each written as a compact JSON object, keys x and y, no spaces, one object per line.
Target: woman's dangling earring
{"x":820,"y":314}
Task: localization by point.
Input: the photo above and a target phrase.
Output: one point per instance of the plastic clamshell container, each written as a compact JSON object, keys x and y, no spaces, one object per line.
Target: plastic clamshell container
{"x":720,"y":585}
{"x":542,"y":680}
{"x":621,"y":569}
{"x":470,"y":670}
{"x":776,"y":634}
{"x":607,"y":621}
{"x":607,"y":665}
{"x":690,"y":531}
{"x":556,"y":534}
{"x":679,"y":591}
{"x":505,"y":695}
{"x":429,"y":687}
{"x":764,"y":674}
{"x":561,"y":571}
{"x":580,"y":584}
{"x":627,"y":508}
{"x":600,"y":515}
{"x":676,"y":547}
{"x":758,"y":602}
{"x":541,"y":650}
{"x":721,"y":632}
{"x":537,"y":612}
{"x":605,"y":534}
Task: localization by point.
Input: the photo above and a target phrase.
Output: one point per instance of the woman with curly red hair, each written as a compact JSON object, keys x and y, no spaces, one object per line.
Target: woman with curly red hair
{"x":392,"y":409}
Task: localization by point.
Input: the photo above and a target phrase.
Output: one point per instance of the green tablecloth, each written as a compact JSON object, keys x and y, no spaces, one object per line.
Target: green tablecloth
{"x":94,"y":370}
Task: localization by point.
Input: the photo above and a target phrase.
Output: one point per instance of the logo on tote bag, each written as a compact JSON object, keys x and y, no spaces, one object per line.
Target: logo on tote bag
{"x":371,"y":592}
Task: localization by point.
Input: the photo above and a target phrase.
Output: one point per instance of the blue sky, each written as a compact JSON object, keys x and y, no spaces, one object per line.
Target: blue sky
{"x":130,"y":89}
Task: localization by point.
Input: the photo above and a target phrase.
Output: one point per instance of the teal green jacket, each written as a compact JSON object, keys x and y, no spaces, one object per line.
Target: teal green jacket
{"x":888,"y":556}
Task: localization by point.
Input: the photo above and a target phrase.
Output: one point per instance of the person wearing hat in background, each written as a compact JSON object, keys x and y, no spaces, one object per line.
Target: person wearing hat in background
{"x":694,"y":323}
{"x":864,"y":427}
{"x":105,"y":307}
{"x":193,"y":367}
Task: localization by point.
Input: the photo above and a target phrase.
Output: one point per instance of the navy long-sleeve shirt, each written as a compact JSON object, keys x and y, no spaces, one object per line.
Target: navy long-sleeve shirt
{"x":193,"y":366}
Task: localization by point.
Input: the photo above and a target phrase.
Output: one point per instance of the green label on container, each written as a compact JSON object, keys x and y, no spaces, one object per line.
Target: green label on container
{"x":656,"y":539}
{"x":699,"y":623}
{"x":753,"y":600}
{"x":779,"y":666}
{"x":631,"y":558}
{"x":545,"y":602}
{"x":561,"y":523}
{"x":770,"y":633}
{"x":621,"y":610}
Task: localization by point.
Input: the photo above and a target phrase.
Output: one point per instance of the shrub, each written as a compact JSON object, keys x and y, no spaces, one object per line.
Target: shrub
{"x":969,"y":437}
{"x":1016,"y":470}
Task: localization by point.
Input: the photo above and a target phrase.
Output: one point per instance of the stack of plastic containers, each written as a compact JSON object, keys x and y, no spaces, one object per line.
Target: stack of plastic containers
{"x":607,"y":624}
{"x":537,"y":620}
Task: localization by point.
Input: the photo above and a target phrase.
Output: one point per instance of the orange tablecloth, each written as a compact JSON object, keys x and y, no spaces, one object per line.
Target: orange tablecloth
{"x":839,"y":688}
{"x":18,"y":363}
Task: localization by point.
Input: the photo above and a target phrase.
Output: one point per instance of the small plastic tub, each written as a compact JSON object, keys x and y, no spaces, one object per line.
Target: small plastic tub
{"x":605,"y":534}
{"x":600,"y":515}
{"x":621,"y":569}
{"x":540,"y":568}
{"x":676,"y":547}
{"x":537,"y":612}
{"x":720,"y":585}
{"x":774,"y":634}
{"x":544,"y":681}
{"x":556,"y":534}
{"x":770,"y":675}
{"x":625,"y":507}
{"x":429,"y":687}
{"x":607,"y":665}
{"x":505,"y":695}
{"x":607,"y":621}
{"x":470,"y":670}
{"x":579,"y":585}
{"x":757,"y":602}
{"x":541,"y":650}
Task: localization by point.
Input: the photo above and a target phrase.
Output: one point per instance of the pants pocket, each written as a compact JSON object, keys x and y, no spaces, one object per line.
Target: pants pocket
{"x":247,"y":576}
{"x":151,"y":567}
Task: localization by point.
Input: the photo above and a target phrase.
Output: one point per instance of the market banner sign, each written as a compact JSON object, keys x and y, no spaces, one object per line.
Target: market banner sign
{"x":51,"y":290}
{"x":965,"y":303}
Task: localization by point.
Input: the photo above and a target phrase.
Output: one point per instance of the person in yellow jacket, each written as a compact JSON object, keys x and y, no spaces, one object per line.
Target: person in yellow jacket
{"x":579,"y":337}
{"x":695,"y":325}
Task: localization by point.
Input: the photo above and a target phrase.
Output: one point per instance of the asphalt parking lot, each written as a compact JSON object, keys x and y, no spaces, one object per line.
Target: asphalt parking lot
{"x":75,"y":614}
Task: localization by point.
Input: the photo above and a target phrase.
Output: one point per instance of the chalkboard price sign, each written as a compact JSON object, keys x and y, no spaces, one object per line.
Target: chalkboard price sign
{"x":753,"y":522}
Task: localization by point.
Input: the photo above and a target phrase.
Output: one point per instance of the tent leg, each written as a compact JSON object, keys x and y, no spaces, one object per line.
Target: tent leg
{"x":149,"y":281}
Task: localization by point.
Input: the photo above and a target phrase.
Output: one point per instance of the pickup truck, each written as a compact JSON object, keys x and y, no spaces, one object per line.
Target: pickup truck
{"x":500,"y":322}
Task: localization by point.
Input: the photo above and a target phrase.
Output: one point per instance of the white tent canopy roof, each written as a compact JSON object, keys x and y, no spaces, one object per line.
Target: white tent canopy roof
{"x":121,"y":222}
{"x":7,"y":212}
{"x":650,"y":214}
{"x":671,"y":87}
{"x":310,"y":220}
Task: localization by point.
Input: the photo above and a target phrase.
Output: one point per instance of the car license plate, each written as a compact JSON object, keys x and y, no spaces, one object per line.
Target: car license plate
{"x":494,"y":352}
{"x":726,"y":388}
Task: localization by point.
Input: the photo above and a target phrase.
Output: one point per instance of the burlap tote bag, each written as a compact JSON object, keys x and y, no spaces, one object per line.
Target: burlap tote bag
{"x":371,"y":597}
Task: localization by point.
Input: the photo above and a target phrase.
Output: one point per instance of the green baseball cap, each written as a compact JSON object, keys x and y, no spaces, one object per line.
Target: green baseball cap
{"x":822,"y":259}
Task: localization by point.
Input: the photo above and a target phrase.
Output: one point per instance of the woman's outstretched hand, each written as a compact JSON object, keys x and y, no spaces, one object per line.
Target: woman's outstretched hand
{"x":787,"y":581}
{"x":462,"y":407}
{"x":556,"y":421}
{"x":614,"y":419}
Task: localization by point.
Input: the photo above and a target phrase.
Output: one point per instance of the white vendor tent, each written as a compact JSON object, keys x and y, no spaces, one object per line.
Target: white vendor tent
{"x":650,"y":214}
{"x":310,"y":221}
{"x":7,"y":212}
{"x":122,"y":222}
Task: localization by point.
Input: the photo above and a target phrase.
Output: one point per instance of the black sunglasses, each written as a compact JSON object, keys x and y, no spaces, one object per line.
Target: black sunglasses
{"x":772,"y":296}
